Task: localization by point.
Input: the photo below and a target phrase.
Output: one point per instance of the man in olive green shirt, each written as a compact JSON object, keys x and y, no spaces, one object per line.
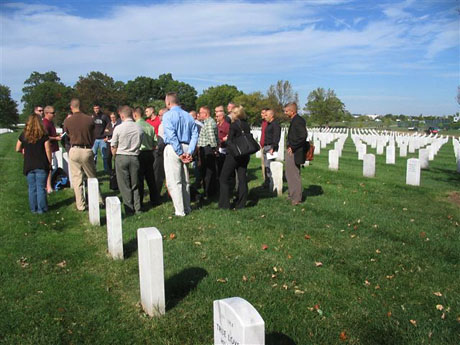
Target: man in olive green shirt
{"x":146,"y":159}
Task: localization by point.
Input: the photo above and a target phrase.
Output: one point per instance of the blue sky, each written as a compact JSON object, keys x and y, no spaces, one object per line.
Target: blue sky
{"x":379,"y":56}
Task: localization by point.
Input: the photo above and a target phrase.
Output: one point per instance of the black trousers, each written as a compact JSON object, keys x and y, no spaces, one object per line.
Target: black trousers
{"x":159,"y":170}
{"x":240,"y":164}
{"x":146,"y":160}
{"x":208,"y":170}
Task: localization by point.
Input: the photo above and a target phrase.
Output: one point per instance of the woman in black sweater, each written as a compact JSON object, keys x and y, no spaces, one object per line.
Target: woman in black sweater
{"x":231,"y":163}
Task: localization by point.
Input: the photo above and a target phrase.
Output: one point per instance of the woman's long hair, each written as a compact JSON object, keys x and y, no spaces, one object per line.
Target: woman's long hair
{"x":34,"y":129}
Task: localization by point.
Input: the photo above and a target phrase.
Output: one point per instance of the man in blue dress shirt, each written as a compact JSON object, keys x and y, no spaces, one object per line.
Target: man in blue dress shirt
{"x":180,"y":137}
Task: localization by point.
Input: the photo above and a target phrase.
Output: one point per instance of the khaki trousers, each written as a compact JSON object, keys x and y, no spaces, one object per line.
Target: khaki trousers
{"x":293,"y":178}
{"x":177,"y":180}
{"x":81,"y":160}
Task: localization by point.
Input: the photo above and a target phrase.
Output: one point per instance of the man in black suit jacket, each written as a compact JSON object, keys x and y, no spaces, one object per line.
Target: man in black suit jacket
{"x":295,"y":154}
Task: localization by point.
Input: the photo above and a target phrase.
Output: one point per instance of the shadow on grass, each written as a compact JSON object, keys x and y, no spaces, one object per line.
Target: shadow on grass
{"x":312,"y":190}
{"x":257,"y":193}
{"x":60,"y":203}
{"x":181,"y":284}
{"x":251,"y":174}
{"x":278,"y":338}
{"x":447,"y":175}
{"x":130,"y":248}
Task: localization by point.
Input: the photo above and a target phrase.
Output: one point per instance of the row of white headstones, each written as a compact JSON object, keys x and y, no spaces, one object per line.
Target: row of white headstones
{"x":236,"y":321}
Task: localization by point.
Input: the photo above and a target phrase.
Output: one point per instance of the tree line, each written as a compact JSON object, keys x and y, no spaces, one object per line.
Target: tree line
{"x":96,"y":87}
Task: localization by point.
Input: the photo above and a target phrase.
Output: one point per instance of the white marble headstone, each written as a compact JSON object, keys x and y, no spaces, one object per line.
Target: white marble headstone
{"x":403,"y":150}
{"x":369,"y":165}
{"x":413,"y":172}
{"x":151,"y":271}
{"x":362,"y":151}
{"x":237,"y":322}
{"x":390,"y":157}
{"x":114,"y":228}
{"x":333,"y":160}
{"x":423,"y":156}
{"x":277,"y":177}
{"x":93,"y":201}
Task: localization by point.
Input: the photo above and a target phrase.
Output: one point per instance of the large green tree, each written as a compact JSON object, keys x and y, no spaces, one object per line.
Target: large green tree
{"x":283,"y":92}
{"x":100,"y":88}
{"x":253,"y":104}
{"x":218,"y":95}
{"x":46,"y":89}
{"x":142,"y":91}
{"x":187,"y":93}
{"x":324,"y":106}
{"x":9,"y":116}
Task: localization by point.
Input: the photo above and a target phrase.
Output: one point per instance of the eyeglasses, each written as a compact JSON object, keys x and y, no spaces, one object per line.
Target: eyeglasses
{"x":40,"y":110}
{"x":50,"y":112}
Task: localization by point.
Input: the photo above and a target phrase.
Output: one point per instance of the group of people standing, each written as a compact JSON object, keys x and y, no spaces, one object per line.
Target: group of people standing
{"x":157,"y":148}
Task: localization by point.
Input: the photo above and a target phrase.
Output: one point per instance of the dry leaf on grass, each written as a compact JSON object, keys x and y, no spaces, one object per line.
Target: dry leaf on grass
{"x":172,"y":236}
{"x":343,"y":336}
{"x":264,"y":247}
{"x":439,"y":307}
{"x":307,"y":237}
{"x":62,"y":264}
{"x":318,"y":264}
{"x":437,"y":294}
{"x":413,"y":322}
{"x":222,"y":280}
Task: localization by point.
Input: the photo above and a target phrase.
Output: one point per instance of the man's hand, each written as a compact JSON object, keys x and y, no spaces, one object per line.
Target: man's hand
{"x":271,"y":151}
{"x":289,"y":150}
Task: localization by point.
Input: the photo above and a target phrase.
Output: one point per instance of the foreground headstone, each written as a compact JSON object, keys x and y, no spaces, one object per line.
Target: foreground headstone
{"x":236,"y":321}
{"x":59,"y":158}
{"x":114,"y":229}
{"x":369,"y":165}
{"x":151,"y":271}
{"x":277,"y":177}
{"x":93,"y":201}
{"x":413,"y":172}
{"x":333,"y":160}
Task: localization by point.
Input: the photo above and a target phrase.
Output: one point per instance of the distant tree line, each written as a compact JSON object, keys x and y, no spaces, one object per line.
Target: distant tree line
{"x":322,"y":108}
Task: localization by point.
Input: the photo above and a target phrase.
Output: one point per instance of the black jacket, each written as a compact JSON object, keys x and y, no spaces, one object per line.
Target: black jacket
{"x":297,"y":139}
{"x":273,"y":134}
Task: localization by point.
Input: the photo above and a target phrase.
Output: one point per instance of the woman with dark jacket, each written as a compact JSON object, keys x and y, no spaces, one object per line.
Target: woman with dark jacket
{"x":231,"y":163}
{"x":34,"y":144}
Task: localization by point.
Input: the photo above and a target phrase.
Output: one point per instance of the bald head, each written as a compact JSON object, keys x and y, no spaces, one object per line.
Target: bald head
{"x":75,"y":105}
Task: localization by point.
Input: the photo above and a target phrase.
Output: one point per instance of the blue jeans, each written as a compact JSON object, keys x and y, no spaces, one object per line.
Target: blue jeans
{"x":36,"y":180}
{"x":100,"y":143}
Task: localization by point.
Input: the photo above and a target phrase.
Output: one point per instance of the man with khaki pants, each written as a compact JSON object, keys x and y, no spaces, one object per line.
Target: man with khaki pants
{"x":80,"y":128}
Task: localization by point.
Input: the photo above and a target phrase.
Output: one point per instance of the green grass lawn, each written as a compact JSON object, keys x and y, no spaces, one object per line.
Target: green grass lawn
{"x":390,"y":258}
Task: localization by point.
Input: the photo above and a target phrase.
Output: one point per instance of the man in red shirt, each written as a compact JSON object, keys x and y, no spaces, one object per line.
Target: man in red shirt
{"x":152,"y":118}
{"x":262,"y":140}
{"x":54,"y":138}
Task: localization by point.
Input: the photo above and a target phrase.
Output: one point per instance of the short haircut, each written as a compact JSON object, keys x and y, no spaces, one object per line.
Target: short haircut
{"x":150,"y":107}
{"x":172,"y":97}
{"x":75,"y":103}
{"x":219,"y":106}
{"x":37,"y":106}
{"x":239,"y":113}
{"x":126,"y":111}
{"x":138,"y":110}
{"x":49,"y":108}
{"x":292,"y":105}
{"x":271,"y":111}
{"x":206,"y":108}
{"x":96,"y":104}
{"x":231,"y":103}
{"x":265,"y":109}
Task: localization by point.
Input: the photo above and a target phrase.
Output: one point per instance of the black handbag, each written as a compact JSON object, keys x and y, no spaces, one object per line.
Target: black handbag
{"x":243,"y":145}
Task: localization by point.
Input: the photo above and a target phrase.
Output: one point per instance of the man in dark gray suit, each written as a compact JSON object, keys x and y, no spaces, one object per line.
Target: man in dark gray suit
{"x":295,"y":153}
